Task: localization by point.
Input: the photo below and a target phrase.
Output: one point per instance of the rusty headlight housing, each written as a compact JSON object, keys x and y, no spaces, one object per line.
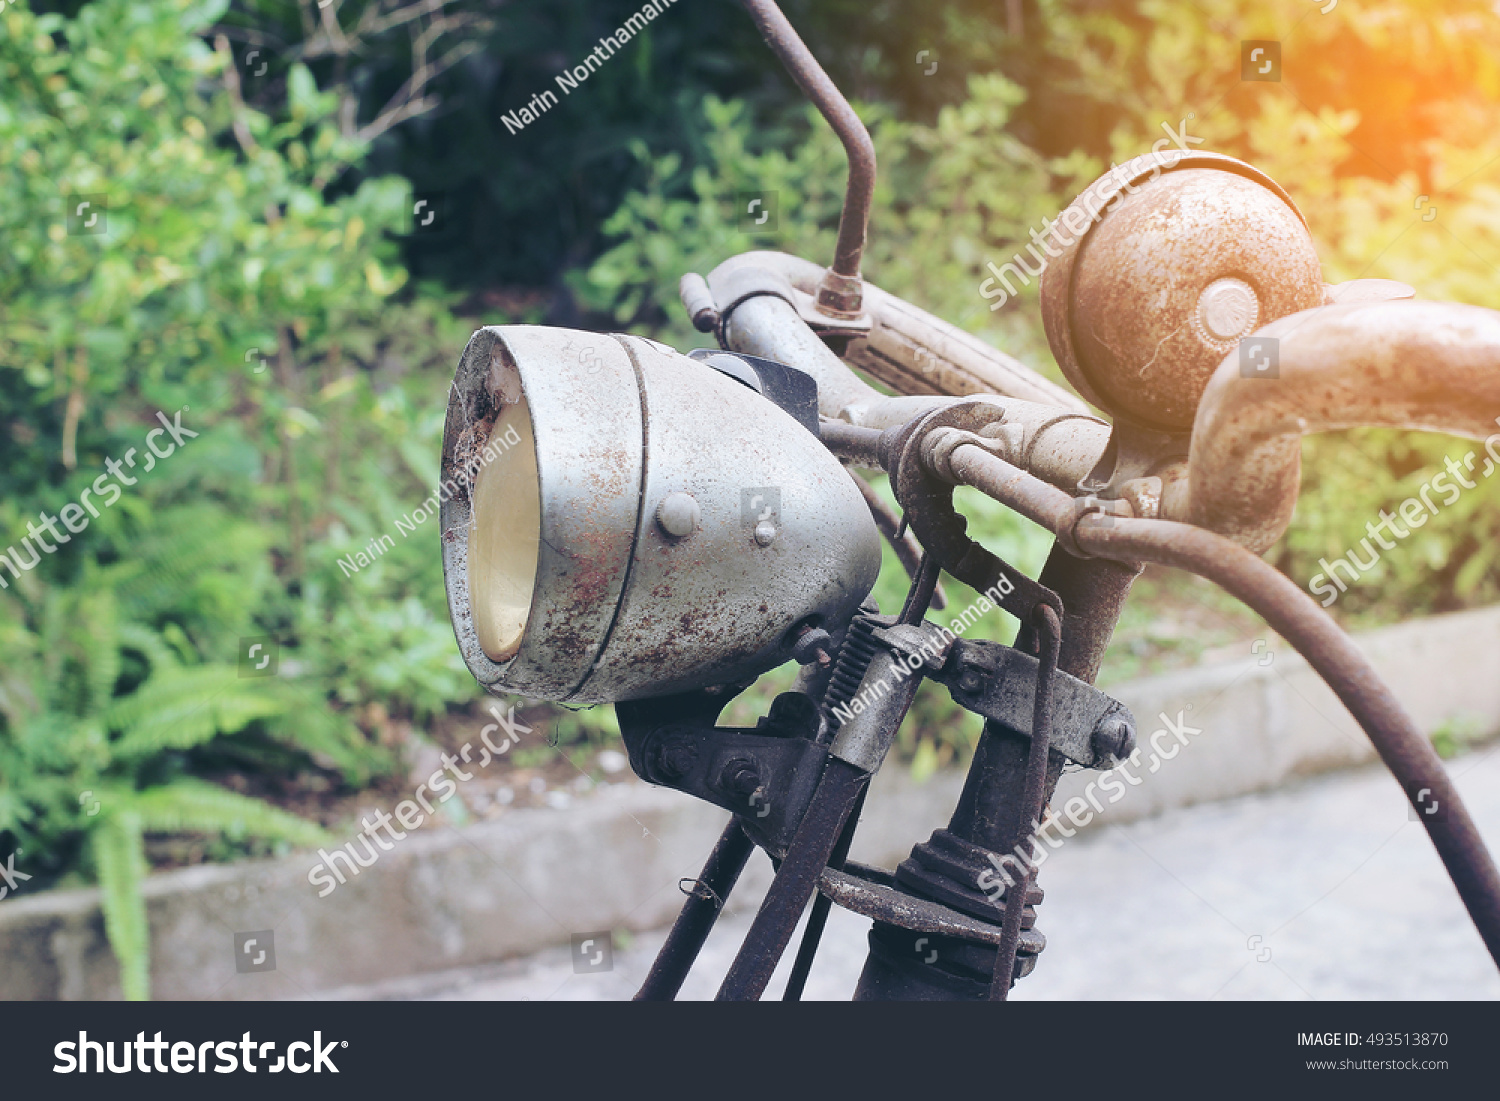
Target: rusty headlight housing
{"x":622,"y":521}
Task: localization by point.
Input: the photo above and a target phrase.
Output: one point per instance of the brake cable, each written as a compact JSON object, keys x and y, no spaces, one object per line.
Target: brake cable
{"x":1298,"y":619}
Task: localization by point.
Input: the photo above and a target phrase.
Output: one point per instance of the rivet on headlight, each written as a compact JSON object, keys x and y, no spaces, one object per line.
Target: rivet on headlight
{"x":765,"y":533}
{"x":678,"y":514}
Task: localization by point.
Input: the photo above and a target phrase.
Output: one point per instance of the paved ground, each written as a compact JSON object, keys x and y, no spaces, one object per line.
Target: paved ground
{"x":1325,"y":890}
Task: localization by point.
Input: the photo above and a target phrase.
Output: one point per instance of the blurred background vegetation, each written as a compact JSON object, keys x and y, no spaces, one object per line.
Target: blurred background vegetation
{"x":260,"y":161}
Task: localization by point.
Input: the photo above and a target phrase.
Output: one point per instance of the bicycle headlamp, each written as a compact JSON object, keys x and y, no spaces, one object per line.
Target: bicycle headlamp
{"x":622,"y":521}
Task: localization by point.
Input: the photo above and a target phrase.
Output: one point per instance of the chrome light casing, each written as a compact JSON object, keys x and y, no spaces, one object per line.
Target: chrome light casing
{"x":623,"y":609}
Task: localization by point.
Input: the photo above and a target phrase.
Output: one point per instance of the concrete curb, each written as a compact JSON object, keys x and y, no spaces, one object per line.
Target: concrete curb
{"x":536,"y":878}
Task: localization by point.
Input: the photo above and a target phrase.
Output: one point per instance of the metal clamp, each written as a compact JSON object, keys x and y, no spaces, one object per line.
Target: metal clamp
{"x":711,"y":302}
{"x":999,"y":682}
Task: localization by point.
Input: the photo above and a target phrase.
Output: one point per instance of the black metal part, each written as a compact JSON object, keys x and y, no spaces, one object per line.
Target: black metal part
{"x":1048,"y":625}
{"x":1005,"y":783}
{"x":796,"y":880}
{"x":868,"y":728}
{"x":1000,"y":683}
{"x":766,"y":776}
{"x":812,"y":645}
{"x":812,"y":932}
{"x":1093,"y":590}
{"x":849,"y":668}
{"x":877,"y":894}
{"x":698,"y":915}
{"x":826,"y":830}
{"x":907,"y":549}
{"x":789,"y":389}
{"x":927,"y":502}
{"x":924,"y":584}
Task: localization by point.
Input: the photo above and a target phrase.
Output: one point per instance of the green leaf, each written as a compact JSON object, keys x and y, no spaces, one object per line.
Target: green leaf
{"x":193,"y":805}
{"x":180,"y":708}
{"x":120,"y":859}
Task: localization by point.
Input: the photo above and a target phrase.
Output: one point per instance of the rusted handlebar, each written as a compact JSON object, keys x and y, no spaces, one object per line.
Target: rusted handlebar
{"x":1404,"y":364}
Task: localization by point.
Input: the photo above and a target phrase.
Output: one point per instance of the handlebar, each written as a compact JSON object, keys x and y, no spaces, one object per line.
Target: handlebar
{"x":1401,"y":364}
{"x":1423,"y":365}
{"x":1407,"y":364}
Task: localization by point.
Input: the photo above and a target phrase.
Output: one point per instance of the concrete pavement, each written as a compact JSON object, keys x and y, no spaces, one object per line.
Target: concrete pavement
{"x":1323,"y":890}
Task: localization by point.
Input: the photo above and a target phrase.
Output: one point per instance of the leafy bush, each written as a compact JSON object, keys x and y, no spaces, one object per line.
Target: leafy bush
{"x":106,"y":698}
{"x":224,"y":286}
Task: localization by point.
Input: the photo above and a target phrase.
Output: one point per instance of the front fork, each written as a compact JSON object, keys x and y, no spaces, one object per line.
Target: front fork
{"x":964,"y":865}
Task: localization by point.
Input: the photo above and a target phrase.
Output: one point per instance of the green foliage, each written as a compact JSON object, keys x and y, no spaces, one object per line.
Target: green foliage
{"x":1458,"y":736}
{"x":225,"y":286}
{"x":107,"y":703}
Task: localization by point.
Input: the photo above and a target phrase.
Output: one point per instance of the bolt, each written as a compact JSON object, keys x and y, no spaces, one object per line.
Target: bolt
{"x":741,"y":776}
{"x":970,"y":681}
{"x":765,"y":533}
{"x":678,"y":514}
{"x":674,"y":759}
{"x":812,"y":646}
{"x":1114,"y":737}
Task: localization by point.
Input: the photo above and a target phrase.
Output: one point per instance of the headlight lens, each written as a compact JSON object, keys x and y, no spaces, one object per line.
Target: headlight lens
{"x":506,"y":536}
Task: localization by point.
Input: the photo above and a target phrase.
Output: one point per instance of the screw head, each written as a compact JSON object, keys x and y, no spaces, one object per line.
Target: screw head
{"x":674,"y":759}
{"x":1115,"y":737}
{"x":740,"y":777}
{"x":679,"y":514}
{"x":765,"y":533}
{"x":805,"y":649}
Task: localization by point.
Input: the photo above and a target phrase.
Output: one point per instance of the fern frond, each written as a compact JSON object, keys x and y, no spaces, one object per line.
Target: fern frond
{"x":329,"y":737}
{"x":120,"y":860}
{"x":133,"y":636}
{"x":203,"y":553}
{"x":187,"y":804}
{"x":181,"y":708}
{"x":97,"y":636}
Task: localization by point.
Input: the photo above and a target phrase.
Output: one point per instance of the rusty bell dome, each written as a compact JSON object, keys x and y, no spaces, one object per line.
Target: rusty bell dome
{"x":1148,"y":295}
